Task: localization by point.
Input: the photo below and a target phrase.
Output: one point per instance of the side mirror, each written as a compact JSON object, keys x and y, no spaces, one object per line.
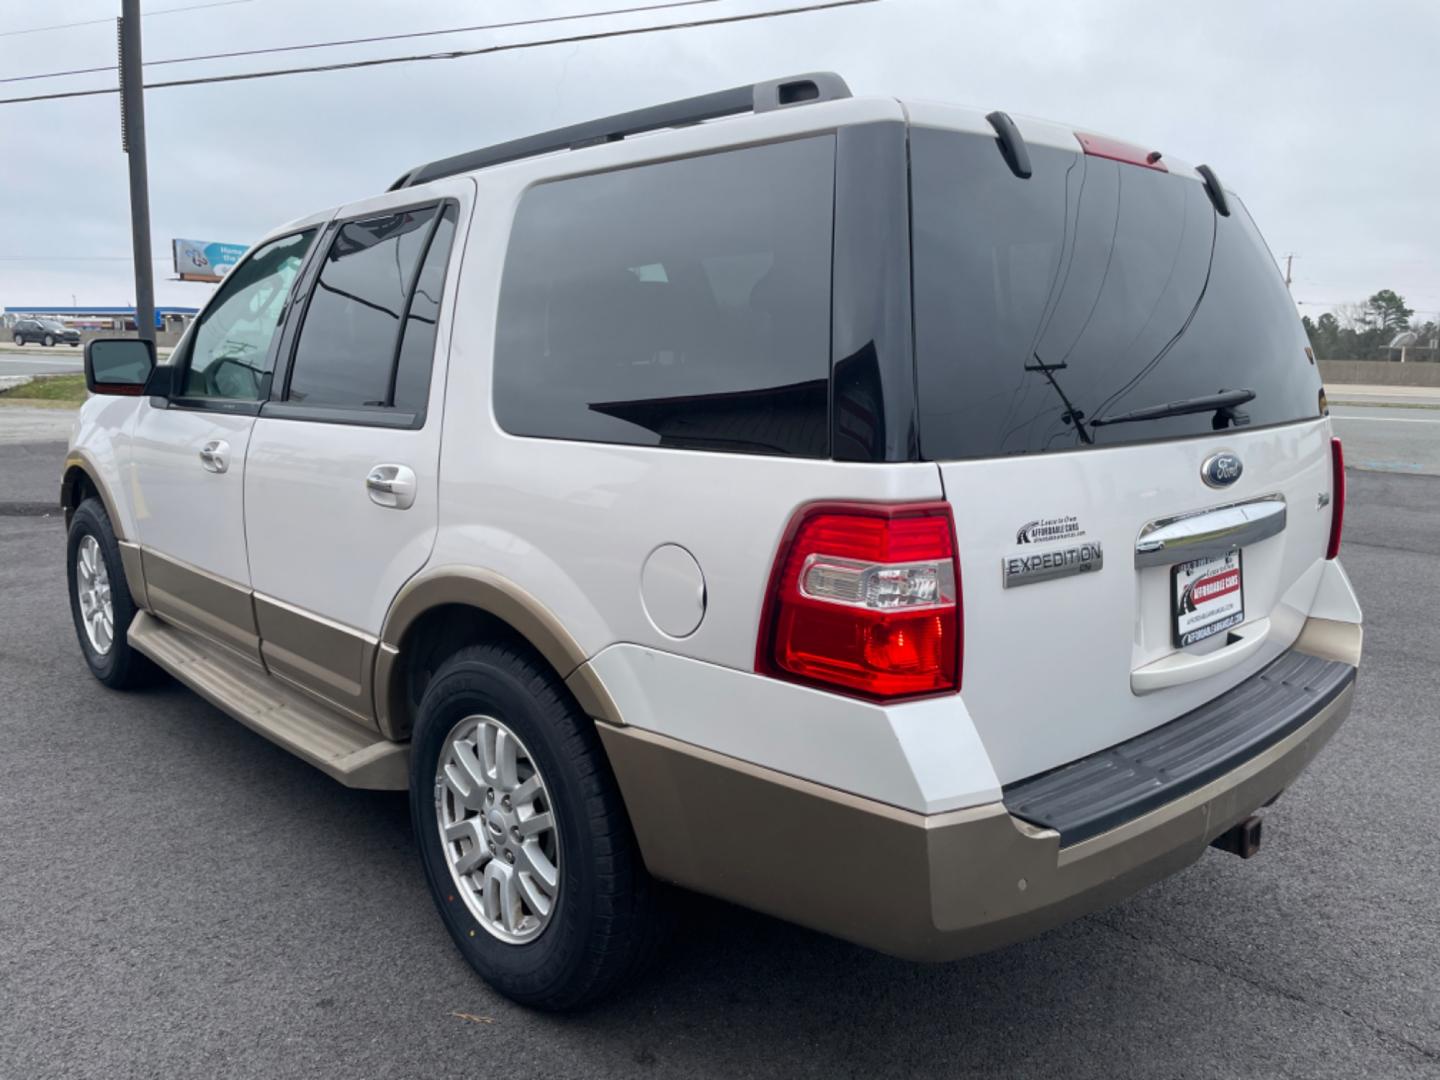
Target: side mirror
{"x":118,"y":365}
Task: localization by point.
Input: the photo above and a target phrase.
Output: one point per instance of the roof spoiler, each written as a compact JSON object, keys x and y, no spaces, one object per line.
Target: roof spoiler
{"x":756,"y":98}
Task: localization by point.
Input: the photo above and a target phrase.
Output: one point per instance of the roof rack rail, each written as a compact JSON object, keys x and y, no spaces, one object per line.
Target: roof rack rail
{"x":758,"y":97}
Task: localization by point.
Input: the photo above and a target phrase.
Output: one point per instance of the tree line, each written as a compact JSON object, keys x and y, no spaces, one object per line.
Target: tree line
{"x":1364,"y":331}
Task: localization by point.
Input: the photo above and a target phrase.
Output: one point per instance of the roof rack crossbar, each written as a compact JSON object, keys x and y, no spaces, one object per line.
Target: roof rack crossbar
{"x":758,"y":97}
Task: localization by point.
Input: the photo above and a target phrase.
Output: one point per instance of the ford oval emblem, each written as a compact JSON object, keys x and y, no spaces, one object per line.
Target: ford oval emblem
{"x":1222,"y":469}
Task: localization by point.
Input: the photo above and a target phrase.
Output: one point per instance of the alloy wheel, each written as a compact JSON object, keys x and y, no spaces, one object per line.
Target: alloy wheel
{"x":92,"y":585}
{"x":497,"y":827}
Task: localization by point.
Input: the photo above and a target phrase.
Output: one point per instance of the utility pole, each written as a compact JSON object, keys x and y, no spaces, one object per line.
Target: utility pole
{"x":132,"y":141}
{"x":1288,"y":259}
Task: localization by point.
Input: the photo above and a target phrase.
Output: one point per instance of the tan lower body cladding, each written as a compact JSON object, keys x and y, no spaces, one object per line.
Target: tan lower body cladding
{"x":323,"y":659}
{"x":922,"y":887}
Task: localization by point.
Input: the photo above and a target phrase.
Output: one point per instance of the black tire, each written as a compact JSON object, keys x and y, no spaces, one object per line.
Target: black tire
{"x":120,"y":667}
{"x":74,"y":344}
{"x":607,"y":921}
{"x":20,"y":339}
{"x":47,"y":341}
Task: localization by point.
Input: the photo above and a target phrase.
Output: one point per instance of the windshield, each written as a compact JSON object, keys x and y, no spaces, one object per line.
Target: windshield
{"x":1092,"y":290}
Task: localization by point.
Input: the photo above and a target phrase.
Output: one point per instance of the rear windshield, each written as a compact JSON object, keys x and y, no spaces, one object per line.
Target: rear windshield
{"x":1091,"y":290}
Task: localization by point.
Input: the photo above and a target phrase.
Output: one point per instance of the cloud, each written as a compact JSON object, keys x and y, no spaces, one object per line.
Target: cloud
{"x":1315,"y":113}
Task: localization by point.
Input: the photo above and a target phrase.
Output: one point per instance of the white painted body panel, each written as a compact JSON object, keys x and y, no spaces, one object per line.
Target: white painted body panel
{"x":316,"y":539}
{"x":921,"y":755}
{"x":181,"y":509}
{"x":102,"y":430}
{"x":1048,"y":666}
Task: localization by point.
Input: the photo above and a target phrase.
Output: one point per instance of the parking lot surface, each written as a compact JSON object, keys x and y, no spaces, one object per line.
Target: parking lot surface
{"x":178,"y":897}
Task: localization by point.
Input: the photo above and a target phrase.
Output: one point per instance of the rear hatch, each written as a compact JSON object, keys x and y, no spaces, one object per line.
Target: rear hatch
{"x":1053,"y":315}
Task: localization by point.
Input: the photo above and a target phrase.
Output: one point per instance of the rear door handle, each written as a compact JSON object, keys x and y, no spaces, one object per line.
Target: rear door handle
{"x":215,"y":456}
{"x":391,"y":486}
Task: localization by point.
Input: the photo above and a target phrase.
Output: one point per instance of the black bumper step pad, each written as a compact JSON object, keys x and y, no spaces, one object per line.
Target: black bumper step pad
{"x":1099,"y":792}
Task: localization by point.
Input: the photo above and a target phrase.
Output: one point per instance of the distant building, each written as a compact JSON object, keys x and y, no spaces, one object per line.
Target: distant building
{"x":100,"y":318}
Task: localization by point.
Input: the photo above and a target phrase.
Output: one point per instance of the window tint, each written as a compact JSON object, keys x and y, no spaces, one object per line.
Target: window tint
{"x":417,"y":342}
{"x":346,"y":350}
{"x":230,"y":356}
{"x":1093,"y":287}
{"x":682,"y":304}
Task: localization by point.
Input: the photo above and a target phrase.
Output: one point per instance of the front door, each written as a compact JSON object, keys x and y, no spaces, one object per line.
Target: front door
{"x":342,"y":470}
{"x":188,"y":453}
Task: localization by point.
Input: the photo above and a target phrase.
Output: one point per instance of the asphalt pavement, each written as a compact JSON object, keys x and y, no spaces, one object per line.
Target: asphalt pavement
{"x":15,"y":362}
{"x":180,"y":898}
{"x":1392,"y":438}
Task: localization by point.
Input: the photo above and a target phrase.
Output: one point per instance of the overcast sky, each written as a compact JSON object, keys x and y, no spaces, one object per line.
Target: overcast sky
{"x":1321,"y":115}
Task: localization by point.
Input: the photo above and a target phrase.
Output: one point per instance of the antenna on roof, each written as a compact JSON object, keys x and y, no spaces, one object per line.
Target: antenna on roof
{"x":757,"y":98}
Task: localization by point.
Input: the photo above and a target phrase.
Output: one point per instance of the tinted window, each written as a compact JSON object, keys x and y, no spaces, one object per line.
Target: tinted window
{"x":683,"y":304}
{"x":230,"y":356}
{"x":417,"y":342}
{"x":1095,"y":288}
{"x":346,"y":351}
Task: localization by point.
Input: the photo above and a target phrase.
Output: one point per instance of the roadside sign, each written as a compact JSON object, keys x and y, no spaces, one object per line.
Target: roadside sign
{"x":201,"y":260}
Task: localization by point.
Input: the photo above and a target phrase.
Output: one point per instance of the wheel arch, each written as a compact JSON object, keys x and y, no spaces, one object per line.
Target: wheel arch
{"x":80,"y":481}
{"x":447,"y":608}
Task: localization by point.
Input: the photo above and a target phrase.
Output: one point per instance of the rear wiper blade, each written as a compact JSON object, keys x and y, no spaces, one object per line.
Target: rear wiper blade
{"x":1224,"y":400}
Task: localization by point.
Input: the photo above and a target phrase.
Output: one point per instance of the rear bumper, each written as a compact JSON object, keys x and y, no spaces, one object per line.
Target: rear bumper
{"x":923,"y":887}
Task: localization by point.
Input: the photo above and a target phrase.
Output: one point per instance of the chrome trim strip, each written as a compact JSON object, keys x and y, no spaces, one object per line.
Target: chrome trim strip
{"x":1208,"y":533}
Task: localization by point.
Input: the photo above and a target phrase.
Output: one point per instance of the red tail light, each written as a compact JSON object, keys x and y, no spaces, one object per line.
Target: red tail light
{"x":1337,"y":498}
{"x":866,"y":598}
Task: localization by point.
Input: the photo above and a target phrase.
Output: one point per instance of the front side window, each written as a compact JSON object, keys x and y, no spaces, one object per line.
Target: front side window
{"x":351,"y":341}
{"x":231,"y":353}
{"x":680,"y":304}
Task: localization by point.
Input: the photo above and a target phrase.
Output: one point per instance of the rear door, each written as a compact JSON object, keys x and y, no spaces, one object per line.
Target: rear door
{"x":343,"y":462}
{"x":1102,"y":596}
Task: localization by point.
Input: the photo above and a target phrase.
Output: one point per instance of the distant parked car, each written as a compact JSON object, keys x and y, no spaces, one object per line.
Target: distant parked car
{"x":46,"y":331}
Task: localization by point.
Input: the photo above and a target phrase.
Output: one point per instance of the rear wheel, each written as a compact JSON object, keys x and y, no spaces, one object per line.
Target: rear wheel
{"x":48,"y":340}
{"x":100,"y":601}
{"x":523,"y":835}
{"x":19,"y":339}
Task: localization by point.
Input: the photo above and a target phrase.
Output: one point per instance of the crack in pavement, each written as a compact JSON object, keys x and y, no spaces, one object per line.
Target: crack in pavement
{"x":1273,"y":988}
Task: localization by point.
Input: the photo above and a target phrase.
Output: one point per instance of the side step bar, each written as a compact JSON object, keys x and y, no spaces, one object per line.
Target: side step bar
{"x":337,"y":746}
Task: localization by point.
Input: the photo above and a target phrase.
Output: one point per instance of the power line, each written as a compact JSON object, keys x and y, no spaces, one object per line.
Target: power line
{"x":97,"y":22}
{"x":362,"y":40}
{"x":454,"y":54}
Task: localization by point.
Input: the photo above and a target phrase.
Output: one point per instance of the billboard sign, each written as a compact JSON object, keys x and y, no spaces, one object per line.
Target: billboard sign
{"x":199,"y":260}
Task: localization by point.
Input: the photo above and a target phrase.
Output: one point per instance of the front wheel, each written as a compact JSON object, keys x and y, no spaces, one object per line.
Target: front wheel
{"x":523,"y":835}
{"x":48,"y":341}
{"x":100,"y":600}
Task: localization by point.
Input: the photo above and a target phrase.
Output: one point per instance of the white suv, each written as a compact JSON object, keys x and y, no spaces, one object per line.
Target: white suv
{"x":915,"y":524}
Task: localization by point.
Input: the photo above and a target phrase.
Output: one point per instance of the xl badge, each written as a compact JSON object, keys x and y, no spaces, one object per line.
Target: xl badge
{"x":1222,"y":469}
{"x":1027,"y":569}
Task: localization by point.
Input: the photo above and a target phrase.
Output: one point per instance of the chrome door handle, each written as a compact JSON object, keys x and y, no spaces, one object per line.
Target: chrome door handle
{"x":391,"y":486}
{"x":215,"y":456}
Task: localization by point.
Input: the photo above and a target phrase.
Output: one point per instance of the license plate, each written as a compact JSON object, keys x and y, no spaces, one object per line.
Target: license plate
{"x":1207,"y":598}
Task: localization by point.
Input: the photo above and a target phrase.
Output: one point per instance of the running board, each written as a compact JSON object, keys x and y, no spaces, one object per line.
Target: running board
{"x":339,"y":747}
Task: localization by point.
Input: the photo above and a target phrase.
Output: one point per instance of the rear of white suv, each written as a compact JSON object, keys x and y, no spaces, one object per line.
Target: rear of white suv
{"x":915,"y":524}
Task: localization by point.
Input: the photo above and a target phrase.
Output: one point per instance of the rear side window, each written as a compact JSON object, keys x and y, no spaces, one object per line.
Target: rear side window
{"x":681,"y":304}
{"x":1091,"y":290}
{"x":368,"y":335}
